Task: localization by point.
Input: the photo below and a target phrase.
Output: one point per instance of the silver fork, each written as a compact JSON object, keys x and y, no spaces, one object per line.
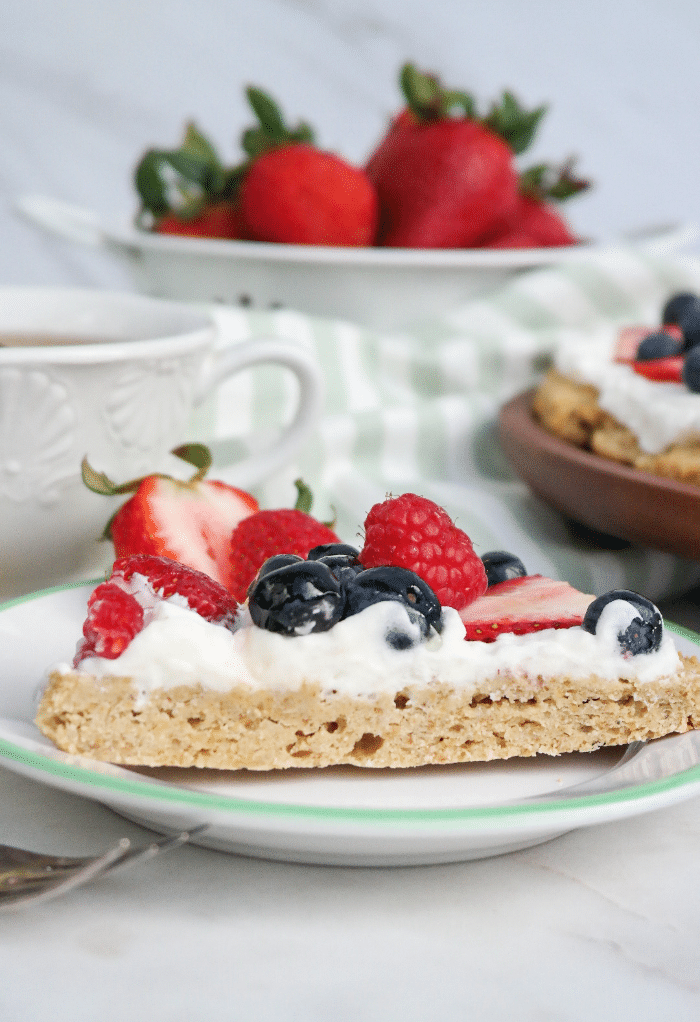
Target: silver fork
{"x":32,"y":877}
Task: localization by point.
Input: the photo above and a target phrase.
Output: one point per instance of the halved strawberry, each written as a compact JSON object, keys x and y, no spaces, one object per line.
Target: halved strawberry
{"x":187,"y":521}
{"x":523,"y":605}
{"x":661,"y":370}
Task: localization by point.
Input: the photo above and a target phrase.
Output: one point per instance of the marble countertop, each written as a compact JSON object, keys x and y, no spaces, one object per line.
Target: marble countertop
{"x":599,"y":923}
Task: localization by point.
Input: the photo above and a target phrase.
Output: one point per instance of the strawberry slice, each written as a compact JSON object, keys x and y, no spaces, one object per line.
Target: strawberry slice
{"x":523,"y":605}
{"x":630,"y":337}
{"x":661,"y":370}
{"x":190,"y":522}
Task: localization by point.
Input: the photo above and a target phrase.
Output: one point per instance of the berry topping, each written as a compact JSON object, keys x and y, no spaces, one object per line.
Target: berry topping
{"x":501,"y":566}
{"x":187,"y":521}
{"x":413,"y":532}
{"x":523,"y":605}
{"x":676,"y":307}
{"x":118,"y":609}
{"x":690,"y":325}
{"x":658,"y":345}
{"x":296,"y":599}
{"x":662,"y":370}
{"x":376,"y":585}
{"x":114,"y":617}
{"x":165,"y":578}
{"x":278,"y":561}
{"x":691,"y":370}
{"x":266,"y":533}
{"x":630,"y":337}
{"x":332,"y":550}
{"x":635,"y":621}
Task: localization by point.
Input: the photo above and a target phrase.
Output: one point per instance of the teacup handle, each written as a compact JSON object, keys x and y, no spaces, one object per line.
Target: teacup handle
{"x":230,"y":360}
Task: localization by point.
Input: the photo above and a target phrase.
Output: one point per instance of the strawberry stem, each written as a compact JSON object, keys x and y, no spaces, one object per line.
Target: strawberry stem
{"x":271,"y":131}
{"x":543,"y":181}
{"x":426,"y":97}
{"x":305,"y":499}
{"x":197,"y":455}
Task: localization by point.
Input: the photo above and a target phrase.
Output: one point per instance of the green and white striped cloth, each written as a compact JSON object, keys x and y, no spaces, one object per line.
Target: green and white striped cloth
{"x":416,"y":411}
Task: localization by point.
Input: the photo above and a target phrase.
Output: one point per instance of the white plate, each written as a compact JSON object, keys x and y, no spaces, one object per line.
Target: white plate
{"x":376,"y":287}
{"x":341,"y":816}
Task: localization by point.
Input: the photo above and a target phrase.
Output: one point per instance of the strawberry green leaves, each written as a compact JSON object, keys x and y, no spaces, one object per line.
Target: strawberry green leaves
{"x":516,"y":125}
{"x":428,"y":100}
{"x":183,"y":179}
{"x":271,"y":129}
{"x":186,"y":179}
{"x":543,"y":181}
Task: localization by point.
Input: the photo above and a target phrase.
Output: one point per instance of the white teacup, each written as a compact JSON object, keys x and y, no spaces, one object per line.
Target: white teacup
{"x":114,"y":377}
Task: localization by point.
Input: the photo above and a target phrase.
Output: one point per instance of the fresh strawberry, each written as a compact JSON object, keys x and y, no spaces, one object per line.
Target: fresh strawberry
{"x":415,"y":533}
{"x":522,"y":605}
{"x":513,"y":237}
{"x":187,"y":521}
{"x":536,"y":220}
{"x":301,"y":195}
{"x":661,"y":370}
{"x":214,"y":220}
{"x":118,"y":609}
{"x":266,"y":533}
{"x":443,"y":181}
{"x":543,"y":222}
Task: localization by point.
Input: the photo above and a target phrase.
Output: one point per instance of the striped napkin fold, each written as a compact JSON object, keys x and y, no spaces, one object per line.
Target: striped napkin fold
{"x":416,"y":410}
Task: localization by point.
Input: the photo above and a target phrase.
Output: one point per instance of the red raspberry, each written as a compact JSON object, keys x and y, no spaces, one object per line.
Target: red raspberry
{"x":170,"y":578}
{"x":415,"y":533}
{"x":115,"y":614}
{"x":266,"y":533}
{"x":113,"y":619}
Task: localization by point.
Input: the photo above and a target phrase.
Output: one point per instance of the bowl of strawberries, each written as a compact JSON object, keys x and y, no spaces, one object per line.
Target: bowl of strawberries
{"x":439,"y":212}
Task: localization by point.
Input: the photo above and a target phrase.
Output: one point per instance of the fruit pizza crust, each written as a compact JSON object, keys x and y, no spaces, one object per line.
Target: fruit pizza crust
{"x":347,"y":656}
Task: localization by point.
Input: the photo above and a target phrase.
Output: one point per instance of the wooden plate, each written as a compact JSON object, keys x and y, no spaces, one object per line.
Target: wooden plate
{"x":601,"y":494}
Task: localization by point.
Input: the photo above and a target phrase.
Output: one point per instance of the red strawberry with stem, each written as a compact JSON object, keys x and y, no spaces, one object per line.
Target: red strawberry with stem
{"x":279,"y":531}
{"x":536,"y":221}
{"x":187,"y":521}
{"x":444,"y":181}
{"x":119,"y":608}
{"x":523,"y":605}
{"x":413,"y":532}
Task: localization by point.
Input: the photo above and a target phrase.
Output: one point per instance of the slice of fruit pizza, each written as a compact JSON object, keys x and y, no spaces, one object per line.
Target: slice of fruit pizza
{"x":410,"y":651}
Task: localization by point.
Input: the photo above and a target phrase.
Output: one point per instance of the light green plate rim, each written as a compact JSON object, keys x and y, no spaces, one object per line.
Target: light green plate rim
{"x":183,"y":798}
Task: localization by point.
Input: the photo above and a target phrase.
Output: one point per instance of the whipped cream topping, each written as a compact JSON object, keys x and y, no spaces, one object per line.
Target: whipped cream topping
{"x":659,"y":414}
{"x":178,"y":647}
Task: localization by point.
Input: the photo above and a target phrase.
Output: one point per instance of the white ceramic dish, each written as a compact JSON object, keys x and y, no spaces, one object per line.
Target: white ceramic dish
{"x":344,"y":816}
{"x":376,"y":287}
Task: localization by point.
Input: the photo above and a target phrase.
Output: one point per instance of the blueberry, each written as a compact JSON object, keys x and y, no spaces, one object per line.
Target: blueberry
{"x":691,"y":370}
{"x":296,"y":599}
{"x":340,"y":558}
{"x":658,"y":345}
{"x":640,"y":635}
{"x":501,"y":566}
{"x":676,"y":306}
{"x":375,"y":585}
{"x":332,"y":550}
{"x":690,"y":325}
{"x":278,"y":561}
